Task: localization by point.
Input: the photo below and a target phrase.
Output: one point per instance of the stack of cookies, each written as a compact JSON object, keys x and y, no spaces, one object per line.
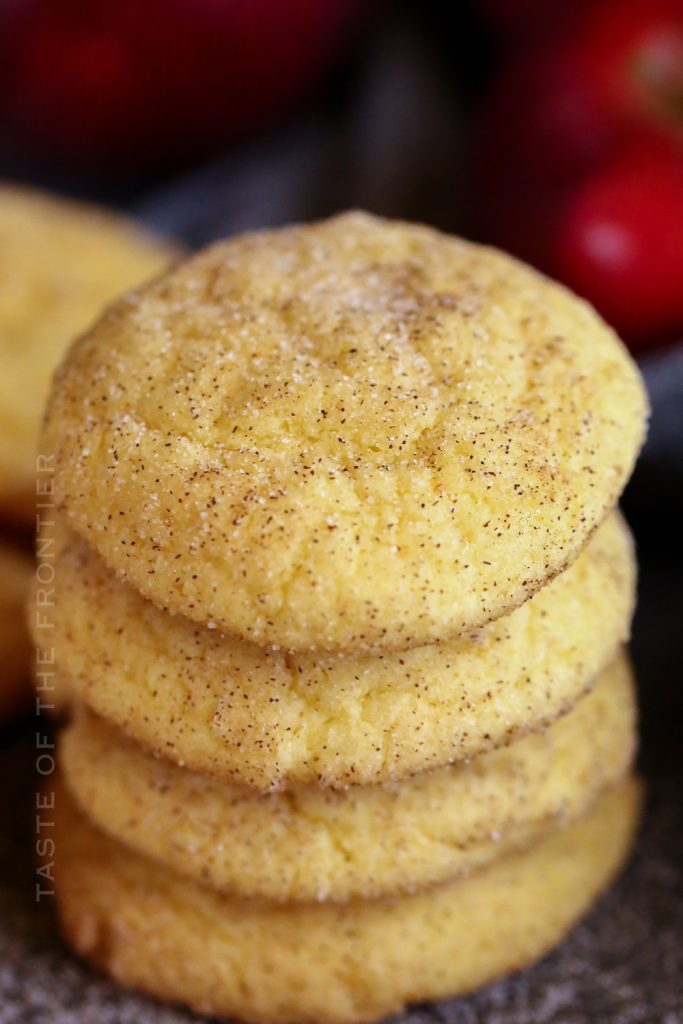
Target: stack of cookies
{"x":341,"y":604}
{"x":60,"y":262}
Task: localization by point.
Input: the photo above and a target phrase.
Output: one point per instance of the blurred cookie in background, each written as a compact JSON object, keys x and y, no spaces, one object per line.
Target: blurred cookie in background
{"x":60,"y":263}
{"x":15,"y":574}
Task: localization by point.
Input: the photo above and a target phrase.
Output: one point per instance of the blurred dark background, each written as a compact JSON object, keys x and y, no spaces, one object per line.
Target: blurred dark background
{"x":553,"y":128}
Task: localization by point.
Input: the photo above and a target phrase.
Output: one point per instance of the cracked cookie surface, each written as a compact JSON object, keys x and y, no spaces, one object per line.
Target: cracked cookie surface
{"x":366,"y":433}
{"x":270,"y":719}
{"x":309,"y":844}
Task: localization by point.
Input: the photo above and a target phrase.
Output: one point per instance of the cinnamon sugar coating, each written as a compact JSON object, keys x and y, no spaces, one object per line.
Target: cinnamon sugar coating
{"x":352,"y":435}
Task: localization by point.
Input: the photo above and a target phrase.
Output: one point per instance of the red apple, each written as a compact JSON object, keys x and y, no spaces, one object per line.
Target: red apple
{"x":633,"y":60}
{"x":620,"y":244}
{"x":609,"y":83}
{"x":158,"y":80}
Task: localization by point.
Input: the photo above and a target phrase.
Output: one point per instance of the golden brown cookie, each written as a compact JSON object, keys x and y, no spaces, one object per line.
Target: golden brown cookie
{"x":271,"y":719}
{"x":348,"y":435}
{"x":327,"y":963}
{"x":366,"y":841}
{"x":60,"y":263}
{"x":16,"y":569}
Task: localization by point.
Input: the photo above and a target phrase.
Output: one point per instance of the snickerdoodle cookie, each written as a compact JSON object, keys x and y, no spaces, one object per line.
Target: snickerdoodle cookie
{"x":328,"y":963}
{"x":60,"y":263}
{"x":367,"y":841}
{"x":352,"y":435}
{"x":269,"y":719}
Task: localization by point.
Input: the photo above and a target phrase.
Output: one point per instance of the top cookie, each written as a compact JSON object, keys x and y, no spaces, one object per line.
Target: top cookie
{"x":60,"y":262}
{"x":349,"y":435}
